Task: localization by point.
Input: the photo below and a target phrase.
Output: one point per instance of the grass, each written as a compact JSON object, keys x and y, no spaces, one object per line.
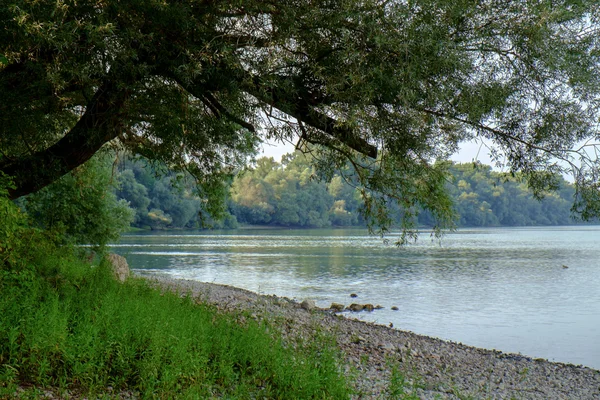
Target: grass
{"x":398,"y":386}
{"x":71,"y":327}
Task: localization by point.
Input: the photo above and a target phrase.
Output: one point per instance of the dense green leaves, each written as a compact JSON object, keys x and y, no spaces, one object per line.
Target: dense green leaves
{"x":12,"y":227}
{"x":284,"y":194}
{"x":486,"y":198}
{"x":385,"y":90}
{"x":289,"y":194}
{"x":81,"y":207}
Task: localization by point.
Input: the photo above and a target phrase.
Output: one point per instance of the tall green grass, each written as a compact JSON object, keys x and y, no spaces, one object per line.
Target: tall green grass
{"x":66,"y":325}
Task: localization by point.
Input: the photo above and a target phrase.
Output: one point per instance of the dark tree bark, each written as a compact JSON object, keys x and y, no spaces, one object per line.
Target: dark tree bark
{"x":97,"y":126}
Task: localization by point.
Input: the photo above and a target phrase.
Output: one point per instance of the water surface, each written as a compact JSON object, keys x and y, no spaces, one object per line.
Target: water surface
{"x":497,"y":288}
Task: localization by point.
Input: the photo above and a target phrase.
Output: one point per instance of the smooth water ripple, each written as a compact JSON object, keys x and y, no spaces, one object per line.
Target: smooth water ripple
{"x":494,"y":288}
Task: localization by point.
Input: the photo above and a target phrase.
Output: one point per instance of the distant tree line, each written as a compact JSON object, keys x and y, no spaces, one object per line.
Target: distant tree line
{"x":483,"y":197}
{"x":288,"y":194}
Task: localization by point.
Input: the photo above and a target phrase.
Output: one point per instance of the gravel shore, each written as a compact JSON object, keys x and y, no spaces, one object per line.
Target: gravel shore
{"x":434,"y":368}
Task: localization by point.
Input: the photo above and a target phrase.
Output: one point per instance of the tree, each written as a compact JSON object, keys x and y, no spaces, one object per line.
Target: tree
{"x":81,"y":207}
{"x":134,"y":193}
{"x":389,"y":87}
{"x":253,"y":198}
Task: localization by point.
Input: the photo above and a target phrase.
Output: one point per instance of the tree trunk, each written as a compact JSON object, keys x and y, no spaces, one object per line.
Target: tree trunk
{"x":97,"y":126}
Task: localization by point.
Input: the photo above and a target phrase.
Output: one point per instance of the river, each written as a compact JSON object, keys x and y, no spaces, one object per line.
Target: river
{"x":498,"y":288}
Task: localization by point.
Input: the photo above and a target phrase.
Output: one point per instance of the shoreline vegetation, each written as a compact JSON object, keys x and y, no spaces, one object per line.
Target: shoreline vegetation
{"x":68,"y":329}
{"x":289,"y":194}
{"x":71,"y":331}
{"x":383,"y":362}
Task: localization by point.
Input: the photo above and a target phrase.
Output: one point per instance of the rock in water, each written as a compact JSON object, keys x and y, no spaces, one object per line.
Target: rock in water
{"x":337,"y":307}
{"x":119,"y":266}
{"x":355,"y":307}
{"x":308,"y":305}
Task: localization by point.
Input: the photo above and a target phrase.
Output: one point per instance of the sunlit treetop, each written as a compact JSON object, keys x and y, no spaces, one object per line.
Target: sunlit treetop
{"x":382,"y":90}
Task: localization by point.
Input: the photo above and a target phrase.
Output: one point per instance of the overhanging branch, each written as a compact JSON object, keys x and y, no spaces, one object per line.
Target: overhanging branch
{"x":96,"y":127}
{"x":301,"y":109}
{"x":204,"y":95}
{"x":223,"y":111}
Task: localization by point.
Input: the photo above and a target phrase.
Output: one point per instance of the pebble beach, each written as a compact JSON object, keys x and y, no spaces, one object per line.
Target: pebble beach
{"x":431,"y":368}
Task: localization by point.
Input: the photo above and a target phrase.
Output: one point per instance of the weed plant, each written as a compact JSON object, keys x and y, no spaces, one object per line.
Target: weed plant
{"x":70,"y":326}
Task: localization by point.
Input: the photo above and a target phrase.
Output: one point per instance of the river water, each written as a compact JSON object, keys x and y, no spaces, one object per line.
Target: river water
{"x":499,"y":288}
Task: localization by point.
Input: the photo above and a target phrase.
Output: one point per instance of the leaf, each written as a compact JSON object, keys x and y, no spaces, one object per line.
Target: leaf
{"x":3,"y":60}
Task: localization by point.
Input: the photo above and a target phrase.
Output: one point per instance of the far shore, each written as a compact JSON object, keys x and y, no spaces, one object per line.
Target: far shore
{"x":433,"y":368}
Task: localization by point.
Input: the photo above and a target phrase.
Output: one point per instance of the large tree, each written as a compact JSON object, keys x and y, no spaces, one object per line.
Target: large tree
{"x":388,"y":87}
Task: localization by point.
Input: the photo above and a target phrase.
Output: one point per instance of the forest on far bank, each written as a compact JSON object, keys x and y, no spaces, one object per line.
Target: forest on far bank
{"x":288,"y":194}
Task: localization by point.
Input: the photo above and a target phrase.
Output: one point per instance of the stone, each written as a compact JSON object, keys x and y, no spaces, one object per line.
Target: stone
{"x":337,"y":307}
{"x":389,"y":347}
{"x":119,"y":266}
{"x":355,"y":307}
{"x":308,"y":305}
{"x":368,"y":307}
{"x":378,"y":307}
{"x":353,"y":295}
{"x":356,"y":339}
{"x":395,"y":308}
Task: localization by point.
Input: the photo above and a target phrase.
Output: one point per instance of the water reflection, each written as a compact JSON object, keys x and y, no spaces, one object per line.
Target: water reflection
{"x":494,"y":288}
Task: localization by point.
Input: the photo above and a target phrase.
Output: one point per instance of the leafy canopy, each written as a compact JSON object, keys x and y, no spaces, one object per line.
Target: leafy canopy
{"x":390,"y":87}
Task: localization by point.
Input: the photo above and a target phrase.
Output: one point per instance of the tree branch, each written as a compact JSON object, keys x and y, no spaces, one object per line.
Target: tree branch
{"x":494,"y":131}
{"x":300,"y":108}
{"x":203,"y":94}
{"x":223,"y":111}
{"x":97,"y":126}
{"x":240,"y":41}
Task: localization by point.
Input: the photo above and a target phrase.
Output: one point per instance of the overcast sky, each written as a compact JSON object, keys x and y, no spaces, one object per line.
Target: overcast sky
{"x":468,"y":152}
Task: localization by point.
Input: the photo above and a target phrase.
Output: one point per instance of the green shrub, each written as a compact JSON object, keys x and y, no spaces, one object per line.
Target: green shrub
{"x":12,"y":225}
{"x":81,"y":207}
{"x":72,"y":327}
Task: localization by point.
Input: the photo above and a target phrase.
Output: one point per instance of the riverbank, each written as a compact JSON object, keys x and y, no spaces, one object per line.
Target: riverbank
{"x":70,"y":330}
{"x":380,"y":357}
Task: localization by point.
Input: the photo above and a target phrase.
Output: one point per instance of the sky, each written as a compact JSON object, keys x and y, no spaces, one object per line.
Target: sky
{"x":469,"y":152}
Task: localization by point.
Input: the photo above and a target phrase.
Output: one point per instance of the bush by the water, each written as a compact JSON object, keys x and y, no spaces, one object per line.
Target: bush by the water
{"x":70,"y":326}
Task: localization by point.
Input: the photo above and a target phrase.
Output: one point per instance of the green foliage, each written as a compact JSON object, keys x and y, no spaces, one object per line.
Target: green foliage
{"x":291,"y":194}
{"x":284,"y":194}
{"x":20,"y":245}
{"x":478,"y":197}
{"x":384,"y":91}
{"x":11,"y":229}
{"x":88,"y":333}
{"x":135,"y":193}
{"x":81,"y":208}
{"x":487,"y":198}
{"x":70,"y":326}
{"x":166,"y":199}
{"x":399,"y":388}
